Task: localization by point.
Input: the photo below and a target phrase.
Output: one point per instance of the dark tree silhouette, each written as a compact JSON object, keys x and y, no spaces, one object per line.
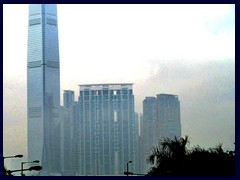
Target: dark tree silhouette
{"x":172,"y":157}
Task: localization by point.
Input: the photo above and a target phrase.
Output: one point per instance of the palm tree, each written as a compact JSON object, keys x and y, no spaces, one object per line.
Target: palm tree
{"x":213,"y":161}
{"x":169,"y":156}
{"x":172,"y":157}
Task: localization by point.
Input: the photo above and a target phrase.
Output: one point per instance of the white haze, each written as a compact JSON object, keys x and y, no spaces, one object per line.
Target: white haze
{"x":187,"y":50}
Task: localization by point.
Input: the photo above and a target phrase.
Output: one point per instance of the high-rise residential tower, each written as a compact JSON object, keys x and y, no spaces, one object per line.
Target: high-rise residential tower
{"x":168,"y":109}
{"x":107,"y":129}
{"x":69,"y":158}
{"x":43,"y":88}
{"x":161,"y":119}
{"x":150,"y":129}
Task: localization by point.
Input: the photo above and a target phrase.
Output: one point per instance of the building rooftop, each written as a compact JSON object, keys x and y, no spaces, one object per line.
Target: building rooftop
{"x":106,"y":86}
{"x":166,"y":95}
{"x":68,"y":90}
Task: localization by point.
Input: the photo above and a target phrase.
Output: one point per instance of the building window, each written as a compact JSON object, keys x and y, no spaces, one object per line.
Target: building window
{"x":115,"y":116}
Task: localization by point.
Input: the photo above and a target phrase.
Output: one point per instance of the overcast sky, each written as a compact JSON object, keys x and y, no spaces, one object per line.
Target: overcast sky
{"x":187,"y":50}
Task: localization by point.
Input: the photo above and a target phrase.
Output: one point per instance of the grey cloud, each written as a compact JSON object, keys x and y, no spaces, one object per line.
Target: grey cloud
{"x":207,"y":95}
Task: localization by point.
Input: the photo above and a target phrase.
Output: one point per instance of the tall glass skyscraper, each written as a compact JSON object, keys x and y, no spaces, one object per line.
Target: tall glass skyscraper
{"x":107,"y":134}
{"x":43,"y":88}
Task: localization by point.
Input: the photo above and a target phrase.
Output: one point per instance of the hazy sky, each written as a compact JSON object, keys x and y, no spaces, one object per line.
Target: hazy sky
{"x":187,"y":50}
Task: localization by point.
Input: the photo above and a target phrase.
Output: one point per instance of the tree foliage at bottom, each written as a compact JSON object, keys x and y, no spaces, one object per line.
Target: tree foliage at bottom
{"x":172,"y":157}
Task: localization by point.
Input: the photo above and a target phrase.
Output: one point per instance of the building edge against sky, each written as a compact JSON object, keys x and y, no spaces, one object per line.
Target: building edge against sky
{"x":161,"y":119}
{"x":43,"y":94}
{"x":43,"y":87}
{"x":105,"y":131}
{"x":203,"y":118}
{"x":168,"y":115}
{"x":107,"y":128}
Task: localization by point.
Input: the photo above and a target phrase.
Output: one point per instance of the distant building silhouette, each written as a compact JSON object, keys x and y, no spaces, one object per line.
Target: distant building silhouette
{"x":150,"y":130}
{"x":107,"y":134}
{"x":168,"y":114}
{"x":68,"y":98}
{"x":43,"y":88}
{"x":161,"y":119}
{"x":69,"y":134}
{"x":99,"y":133}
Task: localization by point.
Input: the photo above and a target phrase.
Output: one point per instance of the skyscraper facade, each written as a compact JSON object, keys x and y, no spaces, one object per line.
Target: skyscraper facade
{"x":68,"y":98}
{"x":168,"y":110}
{"x":69,"y":157}
{"x":142,"y":161}
{"x":43,"y":87}
{"x":150,"y":129}
{"x":137,"y":161}
{"x":161,"y":119}
{"x":107,"y":129}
